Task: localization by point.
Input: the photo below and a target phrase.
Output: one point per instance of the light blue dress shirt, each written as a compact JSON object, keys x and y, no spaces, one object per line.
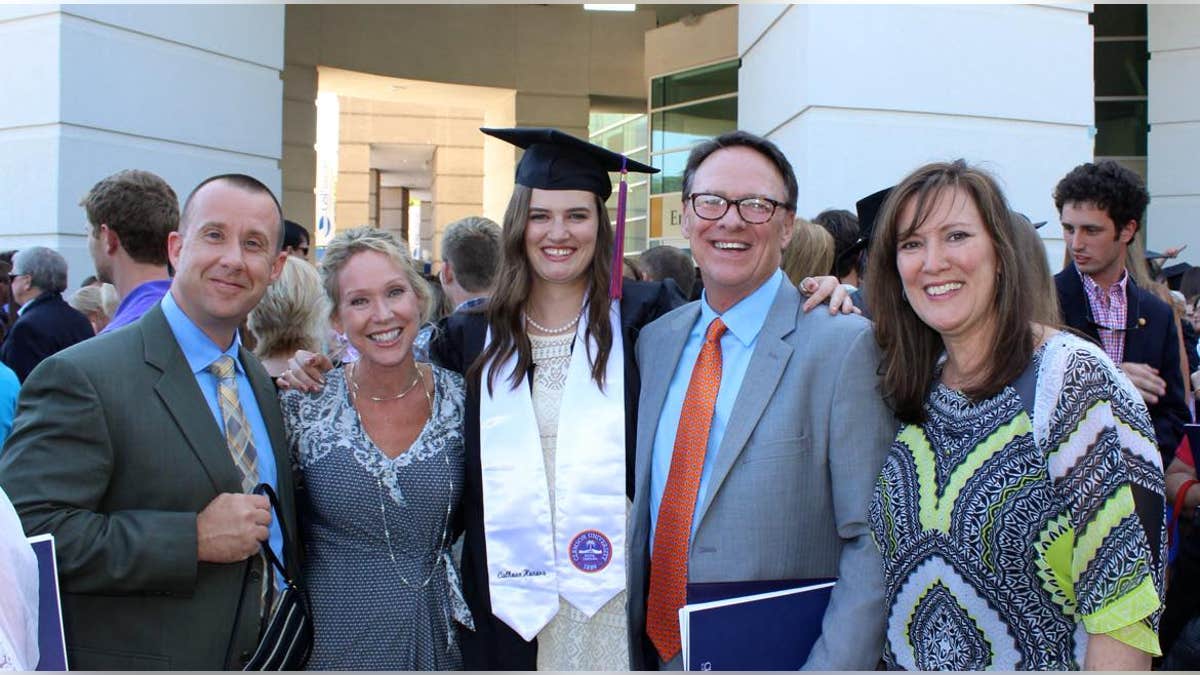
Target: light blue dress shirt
{"x":200,"y":351}
{"x":743,"y":322}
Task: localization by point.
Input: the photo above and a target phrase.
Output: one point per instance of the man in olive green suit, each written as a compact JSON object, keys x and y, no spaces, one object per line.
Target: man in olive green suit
{"x":123,"y":450}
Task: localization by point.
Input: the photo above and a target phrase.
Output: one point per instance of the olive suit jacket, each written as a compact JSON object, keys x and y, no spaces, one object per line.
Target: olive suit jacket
{"x":114,"y":451}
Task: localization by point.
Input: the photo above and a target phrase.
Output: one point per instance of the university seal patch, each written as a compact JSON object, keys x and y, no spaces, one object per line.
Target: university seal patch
{"x":590,"y":551}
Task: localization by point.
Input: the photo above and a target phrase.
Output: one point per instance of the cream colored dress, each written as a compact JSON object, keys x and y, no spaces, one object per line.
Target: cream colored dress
{"x":571,"y":641}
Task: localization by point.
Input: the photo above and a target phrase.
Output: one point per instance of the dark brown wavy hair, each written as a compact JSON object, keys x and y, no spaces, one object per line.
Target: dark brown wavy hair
{"x":506,"y":308}
{"x":910,"y":348}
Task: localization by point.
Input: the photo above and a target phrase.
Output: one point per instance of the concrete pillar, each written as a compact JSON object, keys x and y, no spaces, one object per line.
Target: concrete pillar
{"x":1173,"y":218}
{"x":859,"y":95}
{"x":185,"y":91}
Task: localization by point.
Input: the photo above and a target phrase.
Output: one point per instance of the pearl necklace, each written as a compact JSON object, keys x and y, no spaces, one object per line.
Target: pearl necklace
{"x":552,"y":331}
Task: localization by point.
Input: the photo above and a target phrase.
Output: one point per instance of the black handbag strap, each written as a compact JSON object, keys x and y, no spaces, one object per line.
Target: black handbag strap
{"x":266,"y":489}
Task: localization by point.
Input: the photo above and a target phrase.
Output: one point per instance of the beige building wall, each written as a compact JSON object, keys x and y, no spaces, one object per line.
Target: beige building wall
{"x":555,"y":59}
{"x":457,"y":167}
{"x":708,"y":38}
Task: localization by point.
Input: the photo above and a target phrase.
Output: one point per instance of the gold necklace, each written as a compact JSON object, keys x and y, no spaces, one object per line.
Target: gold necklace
{"x":419,"y":378}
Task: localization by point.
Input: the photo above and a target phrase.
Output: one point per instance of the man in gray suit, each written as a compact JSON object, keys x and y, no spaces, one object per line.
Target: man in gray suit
{"x":124,"y":449}
{"x":780,"y":484}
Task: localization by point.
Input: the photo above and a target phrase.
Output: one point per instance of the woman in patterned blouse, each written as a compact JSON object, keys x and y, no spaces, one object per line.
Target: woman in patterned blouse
{"x":1020,"y":510}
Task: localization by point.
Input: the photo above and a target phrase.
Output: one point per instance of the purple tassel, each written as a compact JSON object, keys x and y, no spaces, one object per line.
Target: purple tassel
{"x":617,"y":276}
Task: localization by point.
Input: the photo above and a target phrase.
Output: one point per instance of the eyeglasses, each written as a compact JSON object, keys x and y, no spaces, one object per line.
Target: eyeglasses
{"x":14,"y":275}
{"x":303,"y":250}
{"x":753,"y":210}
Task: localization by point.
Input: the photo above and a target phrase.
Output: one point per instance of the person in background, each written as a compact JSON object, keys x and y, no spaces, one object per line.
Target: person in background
{"x":669,"y":262}
{"x":19,"y":602}
{"x":470,"y":262}
{"x":630,"y":269}
{"x":130,"y":215}
{"x":292,"y":315}
{"x":1020,"y":510}
{"x":1101,"y":207}
{"x":1032,"y":252}
{"x":809,"y":253}
{"x":295,"y":239}
{"x":842,"y":225}
{"x":47,"y":324}
{"x":97,"y":303}
{"x":379,"y":454}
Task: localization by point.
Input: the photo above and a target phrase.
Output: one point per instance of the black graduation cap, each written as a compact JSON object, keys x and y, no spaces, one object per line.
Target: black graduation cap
{"x":868,"y":211}
{"x":554,"y":160}
{"x":1174,"y":275}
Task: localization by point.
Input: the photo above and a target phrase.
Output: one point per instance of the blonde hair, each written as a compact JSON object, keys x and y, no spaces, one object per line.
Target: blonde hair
{"x":292,"y":314}
{"x":96,"y":301}
{"x":809,"y":253}
{"x":346,"y":244}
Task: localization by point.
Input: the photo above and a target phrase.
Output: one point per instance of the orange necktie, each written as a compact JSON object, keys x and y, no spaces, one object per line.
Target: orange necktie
{"x":669,"y":560}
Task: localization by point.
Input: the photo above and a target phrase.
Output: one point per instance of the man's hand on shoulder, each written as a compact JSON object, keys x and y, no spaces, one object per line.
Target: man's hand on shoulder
{"x":1147,"y":380}
{"x":231,"y":527}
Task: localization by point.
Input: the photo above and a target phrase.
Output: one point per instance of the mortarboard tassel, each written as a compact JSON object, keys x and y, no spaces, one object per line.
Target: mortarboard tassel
{"x":618,"y":269}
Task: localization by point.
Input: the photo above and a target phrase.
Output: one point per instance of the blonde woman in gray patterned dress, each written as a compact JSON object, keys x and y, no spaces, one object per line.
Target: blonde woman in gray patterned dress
{"x":379,"y":452}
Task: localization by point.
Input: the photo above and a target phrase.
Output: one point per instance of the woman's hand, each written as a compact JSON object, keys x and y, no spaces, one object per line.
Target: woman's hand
{"x":305,"y":372}
{"x":818,"y":289}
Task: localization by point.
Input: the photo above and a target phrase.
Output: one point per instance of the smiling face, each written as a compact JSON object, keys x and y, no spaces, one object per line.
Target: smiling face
{"x":736,"y":257}
{"x":560,"y":236}
{"x":948,"y":267}
{"x":377,"y":308}
{"x":224,"y":257}
{"x":1095,"y":244}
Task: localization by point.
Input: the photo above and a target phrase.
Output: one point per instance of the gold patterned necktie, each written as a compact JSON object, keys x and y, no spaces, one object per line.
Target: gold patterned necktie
{"x":237,"y":430}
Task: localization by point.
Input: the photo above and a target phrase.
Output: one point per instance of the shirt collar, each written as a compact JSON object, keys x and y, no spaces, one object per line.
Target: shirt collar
{"x":1094,"y":288}
{"x":198,"y":348}
{"x":470,"y":302}
{"x":746,"y":318}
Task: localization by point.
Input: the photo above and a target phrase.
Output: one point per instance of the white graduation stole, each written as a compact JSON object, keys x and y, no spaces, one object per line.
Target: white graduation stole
{"x":530,"y":562}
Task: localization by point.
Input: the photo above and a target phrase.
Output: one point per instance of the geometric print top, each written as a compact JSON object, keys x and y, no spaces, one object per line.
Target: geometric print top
{"x":1010,"y":529}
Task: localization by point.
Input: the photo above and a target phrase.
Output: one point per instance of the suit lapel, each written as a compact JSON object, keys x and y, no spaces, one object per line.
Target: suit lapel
{"x":654,"y":389}
{"x":767,"y":364}
{"x":179,"y":392}
{"x":1134,"y":324}
{"x":1076,"y":309}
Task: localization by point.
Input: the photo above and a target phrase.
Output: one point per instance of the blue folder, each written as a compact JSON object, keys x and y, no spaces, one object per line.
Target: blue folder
{"x":52,"y":644}
{"x":755,"y":625}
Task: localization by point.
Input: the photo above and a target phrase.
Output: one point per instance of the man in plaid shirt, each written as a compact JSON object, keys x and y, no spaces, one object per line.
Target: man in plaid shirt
{"x":1101,"y":208}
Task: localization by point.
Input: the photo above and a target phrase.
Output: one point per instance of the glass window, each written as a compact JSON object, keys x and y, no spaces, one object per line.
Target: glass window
{"x":714,"y":80}
{"x":1120,"y":68}
{"x":621,"y":135}
{"x":1121,"y":128}
{"x":671,"y":177}
{"x":1118,"y":20}
{"x":684,"y":127}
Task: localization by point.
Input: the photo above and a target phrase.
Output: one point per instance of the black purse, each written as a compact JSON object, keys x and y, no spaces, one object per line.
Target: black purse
{"x":287,"y":634}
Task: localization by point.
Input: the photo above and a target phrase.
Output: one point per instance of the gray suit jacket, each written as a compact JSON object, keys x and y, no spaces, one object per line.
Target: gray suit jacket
{"x":793,"y":477}
{"x":114,"y":451}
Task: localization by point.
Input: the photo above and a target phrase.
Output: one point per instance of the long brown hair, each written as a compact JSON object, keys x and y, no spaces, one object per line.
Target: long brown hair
{"x":910,"y":348}
{"x":506,"y":308}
